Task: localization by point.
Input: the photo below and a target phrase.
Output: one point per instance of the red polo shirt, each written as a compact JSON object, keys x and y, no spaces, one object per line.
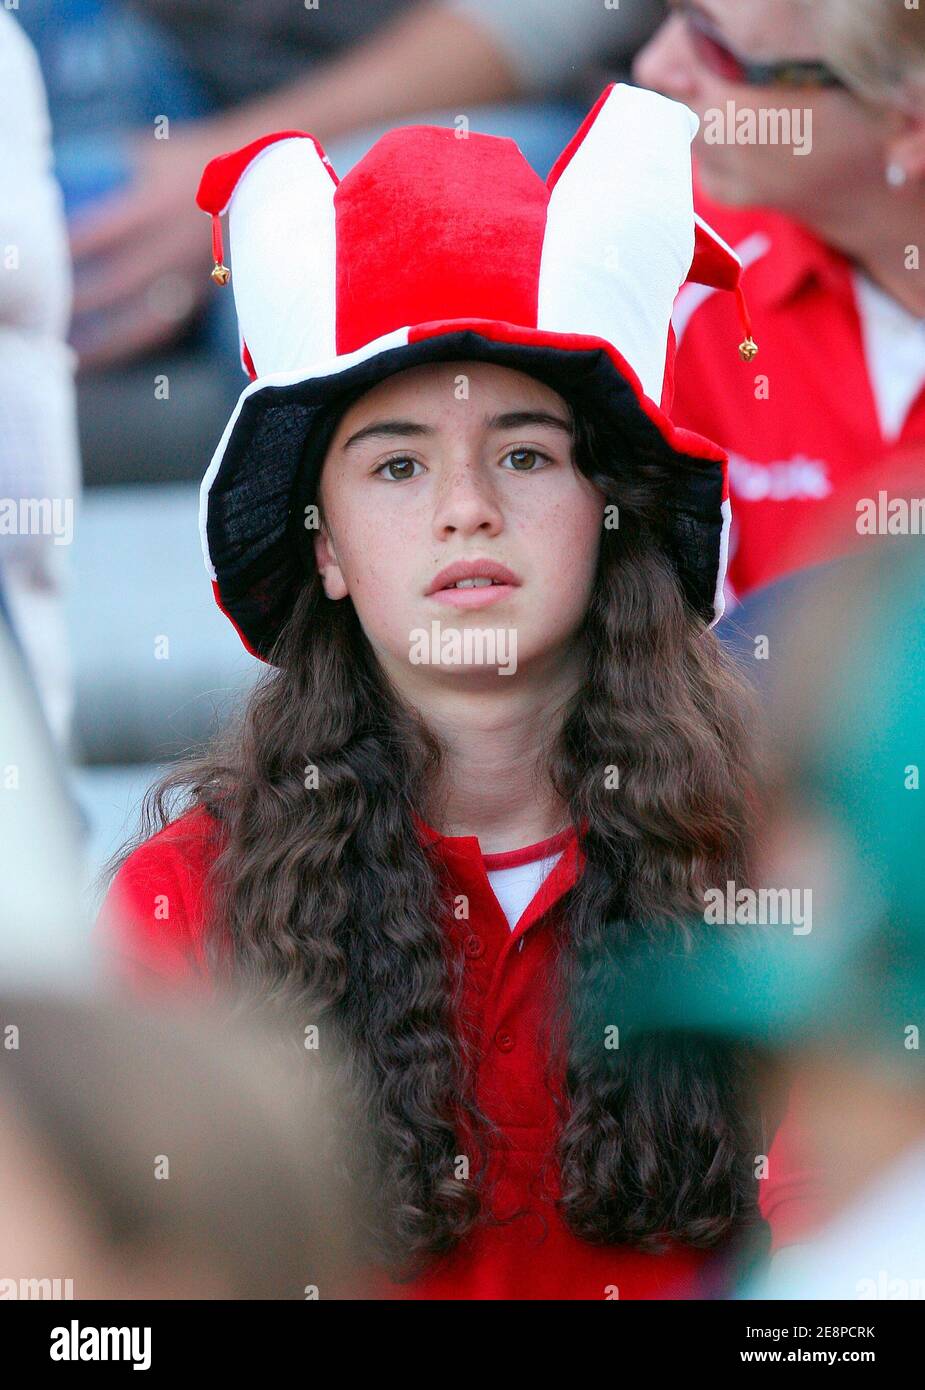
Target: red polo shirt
{"x":152,"y":924}
{"x":812,"y":424}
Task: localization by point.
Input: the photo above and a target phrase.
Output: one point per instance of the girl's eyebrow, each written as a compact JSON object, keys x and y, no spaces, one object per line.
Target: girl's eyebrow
{"x":511,"y":420}
{"x":518,"y":419}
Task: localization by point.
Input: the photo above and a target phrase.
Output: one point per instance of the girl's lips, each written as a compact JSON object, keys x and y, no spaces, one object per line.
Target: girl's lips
{"x":473,"y":598}
{"x":476,"y":567}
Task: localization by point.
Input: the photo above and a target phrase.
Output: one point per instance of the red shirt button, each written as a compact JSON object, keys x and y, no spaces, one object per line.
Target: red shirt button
{"x":504,"y":1042}
{"x":474,"y":946}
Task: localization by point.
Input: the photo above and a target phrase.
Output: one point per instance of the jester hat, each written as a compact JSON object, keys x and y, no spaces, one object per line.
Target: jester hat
{"x":443,"y":245}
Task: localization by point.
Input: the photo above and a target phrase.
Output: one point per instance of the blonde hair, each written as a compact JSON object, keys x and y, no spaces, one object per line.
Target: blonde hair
{"x":876,"y":46}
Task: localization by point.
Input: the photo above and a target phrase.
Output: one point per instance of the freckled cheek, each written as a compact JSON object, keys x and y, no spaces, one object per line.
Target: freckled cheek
{"x":378,"y":554}
{"x":564,"y":541}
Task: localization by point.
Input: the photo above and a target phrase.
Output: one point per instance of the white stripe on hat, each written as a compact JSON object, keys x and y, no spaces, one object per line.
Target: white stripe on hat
{"x":620,"y":230}
{"x":281,"y":224}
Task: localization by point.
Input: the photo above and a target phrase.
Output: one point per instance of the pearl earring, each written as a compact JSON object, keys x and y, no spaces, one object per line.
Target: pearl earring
{"x":896,"y":175}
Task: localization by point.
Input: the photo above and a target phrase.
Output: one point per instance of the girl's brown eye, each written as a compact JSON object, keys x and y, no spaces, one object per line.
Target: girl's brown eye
{"x":397,"y":469}
{"x":525,"y":460}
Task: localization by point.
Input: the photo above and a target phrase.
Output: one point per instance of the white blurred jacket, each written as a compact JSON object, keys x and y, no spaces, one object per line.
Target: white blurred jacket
{"x":39,"y":457}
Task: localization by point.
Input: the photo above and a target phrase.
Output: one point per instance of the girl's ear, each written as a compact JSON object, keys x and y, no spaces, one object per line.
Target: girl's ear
{"x":335,"y":586}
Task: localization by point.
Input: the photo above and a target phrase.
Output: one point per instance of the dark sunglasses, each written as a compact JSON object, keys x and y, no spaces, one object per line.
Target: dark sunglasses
{"x":714,"y":52}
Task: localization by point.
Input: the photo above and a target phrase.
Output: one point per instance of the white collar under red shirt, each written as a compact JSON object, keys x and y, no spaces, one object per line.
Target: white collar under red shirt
{"x":516,"y":875}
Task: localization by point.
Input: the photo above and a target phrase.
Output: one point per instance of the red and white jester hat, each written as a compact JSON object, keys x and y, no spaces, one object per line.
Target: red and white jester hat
{"x":436,"y":248}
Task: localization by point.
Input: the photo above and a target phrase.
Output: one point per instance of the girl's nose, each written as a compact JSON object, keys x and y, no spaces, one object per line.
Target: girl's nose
{"x":466,"y":503}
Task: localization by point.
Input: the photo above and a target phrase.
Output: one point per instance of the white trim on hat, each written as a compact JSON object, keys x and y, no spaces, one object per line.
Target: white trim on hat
{"x":719,"y":598}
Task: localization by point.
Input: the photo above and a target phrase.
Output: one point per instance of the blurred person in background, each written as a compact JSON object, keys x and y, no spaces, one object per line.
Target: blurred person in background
{"x":829,"y":225}
{"x":168,"y":1155}
{"x":39,"y":461}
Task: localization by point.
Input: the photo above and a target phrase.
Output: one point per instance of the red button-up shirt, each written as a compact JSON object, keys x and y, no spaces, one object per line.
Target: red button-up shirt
{"x":152,"y":923}
{"x":801,"y":423}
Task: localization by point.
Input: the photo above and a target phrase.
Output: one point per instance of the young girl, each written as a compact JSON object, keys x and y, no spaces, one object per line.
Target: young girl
{"x":497,"y":746}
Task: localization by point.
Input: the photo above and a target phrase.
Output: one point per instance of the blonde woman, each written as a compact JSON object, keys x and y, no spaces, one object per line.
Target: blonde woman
{"x":811,"y":163}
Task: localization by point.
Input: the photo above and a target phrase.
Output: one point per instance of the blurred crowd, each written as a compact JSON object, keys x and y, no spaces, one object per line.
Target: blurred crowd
{"x":120,"y":364}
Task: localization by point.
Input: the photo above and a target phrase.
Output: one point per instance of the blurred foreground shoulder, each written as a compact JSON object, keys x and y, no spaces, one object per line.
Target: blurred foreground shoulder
{"x":794,"y":1195}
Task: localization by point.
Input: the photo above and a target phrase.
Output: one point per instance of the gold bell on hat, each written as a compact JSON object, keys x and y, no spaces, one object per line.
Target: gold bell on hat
{"x":220,"y":272}
{"x":748,"y":350}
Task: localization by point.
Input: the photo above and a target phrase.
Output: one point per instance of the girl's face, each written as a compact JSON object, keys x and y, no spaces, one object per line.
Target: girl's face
{"x":460,"y":471}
